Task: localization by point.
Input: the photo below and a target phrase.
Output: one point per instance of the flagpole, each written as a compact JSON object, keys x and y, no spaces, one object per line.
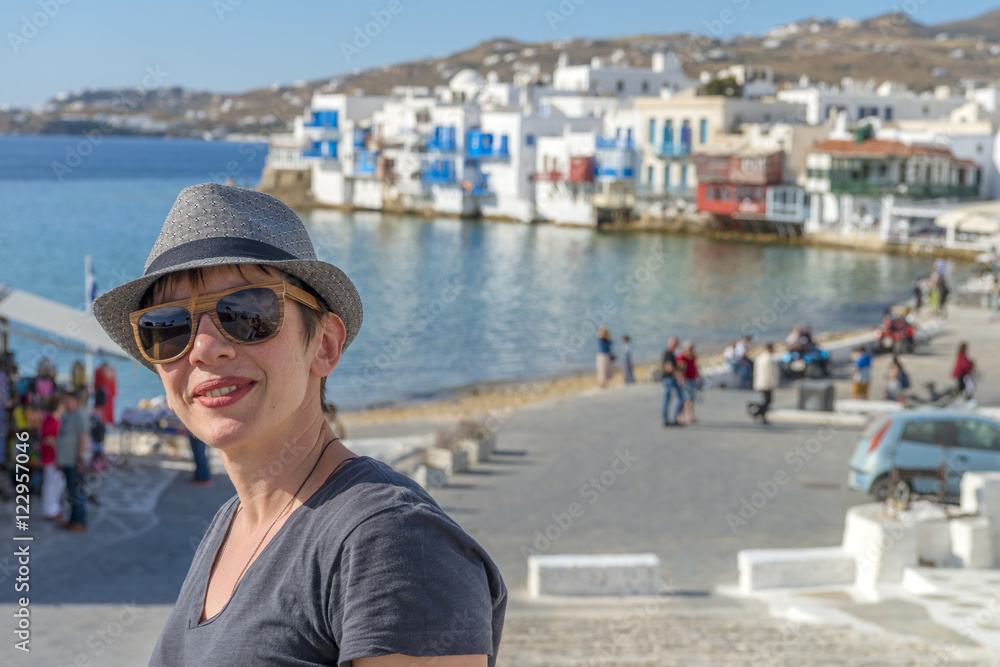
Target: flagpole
{"x":88,"y":290}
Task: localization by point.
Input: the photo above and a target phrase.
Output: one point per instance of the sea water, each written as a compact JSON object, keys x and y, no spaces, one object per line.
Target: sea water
{"x":448,"y":303}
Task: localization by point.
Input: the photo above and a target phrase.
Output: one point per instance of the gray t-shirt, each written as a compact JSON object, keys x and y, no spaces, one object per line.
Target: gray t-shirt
{"x":71,"y":427}
{"x":368,"y":566}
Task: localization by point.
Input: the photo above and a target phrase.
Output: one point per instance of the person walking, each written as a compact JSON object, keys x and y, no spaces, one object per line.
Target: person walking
{"x":688,"y":366}
{"x":962,"y":371}
{"x":106,"y":379}
{"x":673,"y":381}
{"x":53,"y":480}
{"x":71,"y":456}
{"x":743,"y":360}
{"x":765,"y":379}
{"x":627,"y":372}
{"x":896,"y":380}
{"x":861,"y":376}
{"x":604,"y":357}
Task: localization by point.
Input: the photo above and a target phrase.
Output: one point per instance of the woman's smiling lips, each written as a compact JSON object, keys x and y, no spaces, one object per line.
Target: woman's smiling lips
{"x":222,"y":392}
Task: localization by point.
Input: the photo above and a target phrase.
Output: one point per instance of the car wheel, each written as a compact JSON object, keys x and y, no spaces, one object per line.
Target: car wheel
{"x":882,"y":489}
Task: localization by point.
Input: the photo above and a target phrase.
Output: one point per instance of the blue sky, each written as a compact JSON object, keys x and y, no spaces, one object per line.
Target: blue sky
{"x":233,"y":45}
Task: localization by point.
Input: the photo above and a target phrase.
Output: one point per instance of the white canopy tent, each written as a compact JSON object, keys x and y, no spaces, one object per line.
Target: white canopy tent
{"x":982,"y":218}
{"x":67,"y":328}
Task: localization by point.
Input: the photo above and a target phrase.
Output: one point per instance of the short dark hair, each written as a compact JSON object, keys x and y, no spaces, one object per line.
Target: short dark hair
{"x":312,"y":319}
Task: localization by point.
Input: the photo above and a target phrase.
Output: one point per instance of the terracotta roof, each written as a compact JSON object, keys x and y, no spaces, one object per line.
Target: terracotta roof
{"x":877,"y":148}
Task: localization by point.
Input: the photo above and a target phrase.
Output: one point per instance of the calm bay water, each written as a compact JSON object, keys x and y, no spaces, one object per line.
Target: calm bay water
{"x":448,"y":303}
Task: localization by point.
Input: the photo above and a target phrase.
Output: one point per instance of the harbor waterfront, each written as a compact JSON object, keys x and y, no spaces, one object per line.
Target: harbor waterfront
{"x":487,"y":302}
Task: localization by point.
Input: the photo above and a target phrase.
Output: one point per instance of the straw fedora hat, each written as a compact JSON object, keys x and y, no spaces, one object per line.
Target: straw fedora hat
{"x":215,"y":225}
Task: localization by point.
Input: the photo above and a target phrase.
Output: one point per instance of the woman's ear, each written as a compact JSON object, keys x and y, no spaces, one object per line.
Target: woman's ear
{"x":331,"y":344}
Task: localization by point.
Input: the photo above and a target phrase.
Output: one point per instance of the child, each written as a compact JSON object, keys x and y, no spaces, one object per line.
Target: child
{"x":862,"y":374}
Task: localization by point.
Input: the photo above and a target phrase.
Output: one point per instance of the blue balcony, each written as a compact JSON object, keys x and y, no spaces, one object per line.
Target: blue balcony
{"x":444,"y":140}
{"x":364,"y":162}
{"x":481,"y":146}
{"x":361,"y":136}
{"x":611,"y":172}
{"x":671,"y":149}
{"x":482,"y":187}
{"x":440,"y":172}
{"x":321,"y":149}
{"x":325,"y":119}
{"x":614,"y":143}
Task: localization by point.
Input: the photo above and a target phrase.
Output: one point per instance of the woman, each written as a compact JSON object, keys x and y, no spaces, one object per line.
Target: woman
{"x":687,"y":363}
{"x":604,"y":357}
{"x":53,"y":482}
{"x":896,"y":380}
{"x":962,"y":372}
{"x":323,"y":557}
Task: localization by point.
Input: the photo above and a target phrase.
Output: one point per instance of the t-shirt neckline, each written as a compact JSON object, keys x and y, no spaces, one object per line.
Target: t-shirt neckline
{"x":194,"y":617}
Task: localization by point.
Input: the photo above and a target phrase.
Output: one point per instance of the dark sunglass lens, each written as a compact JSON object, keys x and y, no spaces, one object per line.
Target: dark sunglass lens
{"x":250,"y":315}
{"x":165,"y":332}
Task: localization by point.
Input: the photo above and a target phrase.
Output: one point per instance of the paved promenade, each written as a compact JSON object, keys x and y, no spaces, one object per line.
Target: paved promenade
{"x":100,"y":598}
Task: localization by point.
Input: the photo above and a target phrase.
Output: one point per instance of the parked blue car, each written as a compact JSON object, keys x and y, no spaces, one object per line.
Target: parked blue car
{"x":917,"y":443}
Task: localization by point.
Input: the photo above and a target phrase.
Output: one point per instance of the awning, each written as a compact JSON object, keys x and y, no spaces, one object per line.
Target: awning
{"x":18,"y":307}
{"x":982,"y":218}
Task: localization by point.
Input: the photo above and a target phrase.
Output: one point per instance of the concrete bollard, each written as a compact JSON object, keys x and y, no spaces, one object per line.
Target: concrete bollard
{"x":786,"y":568}
{"x":980,"y":494}
{"x":611,"y":574}
{"x":933,"y":535}
{"x":882,"y":546}
{"x":450,"y":460}
{"x":429,"y":477}
{"x":971,"y":542}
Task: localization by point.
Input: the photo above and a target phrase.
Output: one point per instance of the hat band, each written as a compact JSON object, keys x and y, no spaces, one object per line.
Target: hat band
{"x":217,"y":247}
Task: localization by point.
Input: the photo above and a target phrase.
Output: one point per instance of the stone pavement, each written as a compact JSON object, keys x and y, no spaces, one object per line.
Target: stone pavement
{"x":670,"y":631}
{"x":674,"y":500}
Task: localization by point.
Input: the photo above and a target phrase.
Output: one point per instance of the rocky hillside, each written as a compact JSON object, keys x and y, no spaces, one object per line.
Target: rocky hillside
{"x":891,"y":46}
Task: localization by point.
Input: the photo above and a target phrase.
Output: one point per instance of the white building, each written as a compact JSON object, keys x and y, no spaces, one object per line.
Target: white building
{"x":755,"y":81}
{"x":871,"y":185}
{"x":337,"y":133}
{"x":672,"y":128}
{"x":890,"y":101}
{"x":599,"y":78}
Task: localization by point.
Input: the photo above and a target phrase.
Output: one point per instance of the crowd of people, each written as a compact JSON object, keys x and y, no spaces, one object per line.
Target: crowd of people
{"x":66,"y":426}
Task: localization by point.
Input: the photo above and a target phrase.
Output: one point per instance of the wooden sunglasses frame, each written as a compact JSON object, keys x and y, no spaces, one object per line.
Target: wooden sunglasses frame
{"x":200,"y":304}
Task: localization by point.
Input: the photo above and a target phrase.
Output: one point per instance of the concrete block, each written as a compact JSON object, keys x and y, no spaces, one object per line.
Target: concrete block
{"x":971,"y":542}
{"x":980,"y":494}
{"x":429,"y":477}
{"x":934,"y":542}
{"x":478,"y":450}
{"x":787,"y":568}
{"x":867,"y":407}
{"x":449,"y":460}
{"x":882,"y":545}
{"x":612,"y":574}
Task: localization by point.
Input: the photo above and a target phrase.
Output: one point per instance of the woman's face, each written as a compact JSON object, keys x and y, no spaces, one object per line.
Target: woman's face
{"x":272,"y":386}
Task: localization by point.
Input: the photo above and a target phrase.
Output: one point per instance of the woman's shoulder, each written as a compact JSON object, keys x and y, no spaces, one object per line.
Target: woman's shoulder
{"x":366,"y":488}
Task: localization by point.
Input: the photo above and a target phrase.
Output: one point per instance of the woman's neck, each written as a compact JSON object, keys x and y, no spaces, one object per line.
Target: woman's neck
{"x":266,"y":476}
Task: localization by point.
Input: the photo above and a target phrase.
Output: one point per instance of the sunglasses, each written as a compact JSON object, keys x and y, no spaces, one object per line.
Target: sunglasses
{"x":245,"y":315}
